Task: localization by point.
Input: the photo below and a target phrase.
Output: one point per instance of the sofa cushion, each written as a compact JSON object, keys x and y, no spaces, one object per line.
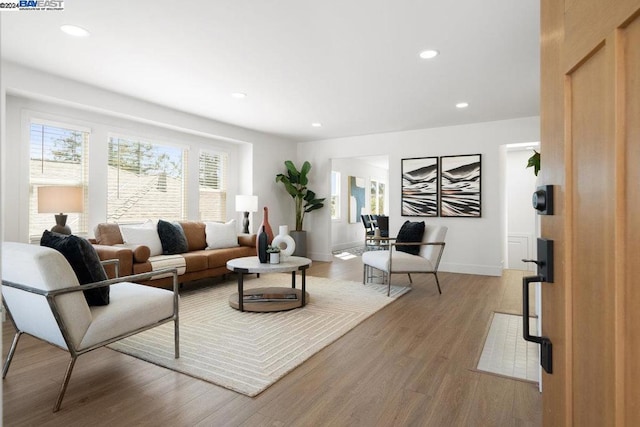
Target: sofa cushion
{"x":84,"y":260}
{"x":221,"y":235}
{"x":132,"y":306}
{"x":402,"y":262}
{"x":143,"y":234}
{"x":172,"y":238}
{"x":167,"y":261}
{"x":196,"y":261}
{"x":410,"y":232}
{"x":194,"y":231}
{"x":108,"y":233}
{"x":219,"y":257}
{"x":141,"y":253}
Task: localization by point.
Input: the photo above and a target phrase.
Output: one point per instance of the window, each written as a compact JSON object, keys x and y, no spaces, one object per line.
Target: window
{"x":377,"y":197}
{"x":335,"y":195}
{"x":213,"y":186}
{"x":145,"y":181}
{"x":57,"y":156}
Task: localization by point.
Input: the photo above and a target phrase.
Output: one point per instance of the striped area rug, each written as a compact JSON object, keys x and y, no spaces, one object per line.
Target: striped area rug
{"x":247,"y":352}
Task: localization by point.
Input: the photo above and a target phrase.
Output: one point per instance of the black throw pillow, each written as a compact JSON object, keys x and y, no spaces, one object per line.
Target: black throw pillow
{"x":410,"y":232}
{"x":84,"y":261}
{"x":172,"y":237}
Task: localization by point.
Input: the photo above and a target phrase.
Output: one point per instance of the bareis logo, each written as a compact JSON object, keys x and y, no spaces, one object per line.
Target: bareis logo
{"x":42,"y":4}
{"x":19,"y":5}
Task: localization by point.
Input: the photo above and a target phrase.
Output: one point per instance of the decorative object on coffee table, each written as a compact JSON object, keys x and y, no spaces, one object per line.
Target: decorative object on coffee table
{"x":273,"y":253}
{"x":284,"y":242}
{"x":252,"y":265}
{"x":59,"y":199}
{"x":262,"y":244}
{"x":267,"y":227}
{"x":246,"y":204}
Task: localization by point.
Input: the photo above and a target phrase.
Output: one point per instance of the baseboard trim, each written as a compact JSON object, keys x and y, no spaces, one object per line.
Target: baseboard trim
{"x":483,"y":270}
{"x":343,"y":246}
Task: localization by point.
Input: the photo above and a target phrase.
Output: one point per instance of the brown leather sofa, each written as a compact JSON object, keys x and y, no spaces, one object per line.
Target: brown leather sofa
{"x":197,"y":263}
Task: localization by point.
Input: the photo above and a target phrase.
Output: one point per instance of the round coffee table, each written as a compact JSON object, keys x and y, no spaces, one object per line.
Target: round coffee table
{"x":271,"y":298}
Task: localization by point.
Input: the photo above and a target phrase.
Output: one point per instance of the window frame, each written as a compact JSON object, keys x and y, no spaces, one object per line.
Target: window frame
{"x":378,"y":196}
{"x":337,"y":195}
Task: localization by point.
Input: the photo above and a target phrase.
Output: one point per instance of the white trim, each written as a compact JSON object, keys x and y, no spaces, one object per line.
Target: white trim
{"x":483,"y":270}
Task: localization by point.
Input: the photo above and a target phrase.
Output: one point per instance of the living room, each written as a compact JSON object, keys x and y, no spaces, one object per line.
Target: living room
{"x":475,"y":247}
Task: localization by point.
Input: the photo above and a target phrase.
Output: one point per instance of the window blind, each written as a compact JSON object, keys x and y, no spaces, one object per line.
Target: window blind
{"x":58,"y":155}
{"x":145,"y":181}
{"x":213,"y":186}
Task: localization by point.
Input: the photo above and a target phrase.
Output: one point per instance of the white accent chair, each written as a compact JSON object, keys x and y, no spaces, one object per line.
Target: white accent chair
{"x":44,"y":299}
{"x":393,"y":261}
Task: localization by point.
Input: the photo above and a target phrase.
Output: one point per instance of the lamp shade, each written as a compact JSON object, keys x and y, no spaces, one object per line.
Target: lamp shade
{"x":246,"y":203}
{"x":60,"y":199}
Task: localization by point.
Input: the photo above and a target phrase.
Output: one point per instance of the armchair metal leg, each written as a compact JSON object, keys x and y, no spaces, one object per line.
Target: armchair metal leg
{"x":437,"y":283}
{"x":12,"y":350}
{"x":389,"y":284}
{"x":410,"y":281}
{"x":65,"y":382}
{"x":176,"y":337}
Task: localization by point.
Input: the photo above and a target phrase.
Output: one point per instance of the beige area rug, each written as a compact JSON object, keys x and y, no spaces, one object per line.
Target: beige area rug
{"x":247,"y":352}
{"x":506,"y":353}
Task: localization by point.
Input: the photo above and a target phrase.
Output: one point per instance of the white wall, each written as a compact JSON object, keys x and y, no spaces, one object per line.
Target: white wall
{"x":343,"y":234}
{"x":521,"y":217}
{"x":474,"y":245}
{"x":257,"y":156}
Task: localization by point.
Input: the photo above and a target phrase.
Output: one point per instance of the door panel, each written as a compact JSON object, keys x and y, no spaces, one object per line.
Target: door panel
{"x":592,"y":247}
{"x":590,"y":147}
{"x":630,"y":298}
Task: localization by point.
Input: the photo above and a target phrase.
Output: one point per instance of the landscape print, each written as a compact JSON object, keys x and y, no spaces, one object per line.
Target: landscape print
{"x":460,"y":185}
{"x":420,"y":186}
{"x":356,"y":198}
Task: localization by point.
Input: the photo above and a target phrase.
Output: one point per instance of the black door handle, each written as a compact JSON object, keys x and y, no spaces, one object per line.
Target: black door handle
{"x":545,"y":343}
{"x":545,"y":274}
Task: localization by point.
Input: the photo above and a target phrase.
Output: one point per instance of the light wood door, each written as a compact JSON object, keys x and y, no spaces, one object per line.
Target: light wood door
{"x":590,"y":118}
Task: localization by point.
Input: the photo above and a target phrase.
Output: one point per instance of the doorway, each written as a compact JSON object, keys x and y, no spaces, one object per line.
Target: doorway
{"x":521,"y":222}
{"x":371,"y":173}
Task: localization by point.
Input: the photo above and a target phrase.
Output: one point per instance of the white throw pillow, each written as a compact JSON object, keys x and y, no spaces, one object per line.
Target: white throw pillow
{"x":143,"y":234}
{"x":221,"y":235}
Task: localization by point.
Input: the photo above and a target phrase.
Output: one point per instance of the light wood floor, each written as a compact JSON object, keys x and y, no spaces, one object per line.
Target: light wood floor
{"x":412,"y":364}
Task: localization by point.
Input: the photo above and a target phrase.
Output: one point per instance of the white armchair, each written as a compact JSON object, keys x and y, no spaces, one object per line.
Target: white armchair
{"x":44,"y":299}
{"x":393,"y":261}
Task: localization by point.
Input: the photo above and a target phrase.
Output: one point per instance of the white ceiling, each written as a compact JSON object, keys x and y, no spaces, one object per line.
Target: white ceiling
{"x":352,"y":65}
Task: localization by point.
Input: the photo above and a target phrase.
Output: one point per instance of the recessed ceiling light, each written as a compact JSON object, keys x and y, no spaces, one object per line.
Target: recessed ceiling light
{"x":316,"y":125}
{"x":74,"y":30}
{"x":428,"y":54}
{"x":239,"y":95}
{"x":462,"y":105}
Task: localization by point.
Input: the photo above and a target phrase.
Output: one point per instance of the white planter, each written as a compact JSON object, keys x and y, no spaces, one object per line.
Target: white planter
{"x":274,"y":258}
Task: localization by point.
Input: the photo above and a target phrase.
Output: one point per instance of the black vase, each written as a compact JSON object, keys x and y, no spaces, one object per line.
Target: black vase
{"x":263,"y":242}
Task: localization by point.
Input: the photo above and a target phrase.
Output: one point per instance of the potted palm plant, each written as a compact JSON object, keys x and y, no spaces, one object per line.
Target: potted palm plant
{"x":295,"y":182}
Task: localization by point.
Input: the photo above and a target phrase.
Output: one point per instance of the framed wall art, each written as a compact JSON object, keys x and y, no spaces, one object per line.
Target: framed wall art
{"x":356,"y":198}
{"x":420,"y":186}
{"x":460,"y":185}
